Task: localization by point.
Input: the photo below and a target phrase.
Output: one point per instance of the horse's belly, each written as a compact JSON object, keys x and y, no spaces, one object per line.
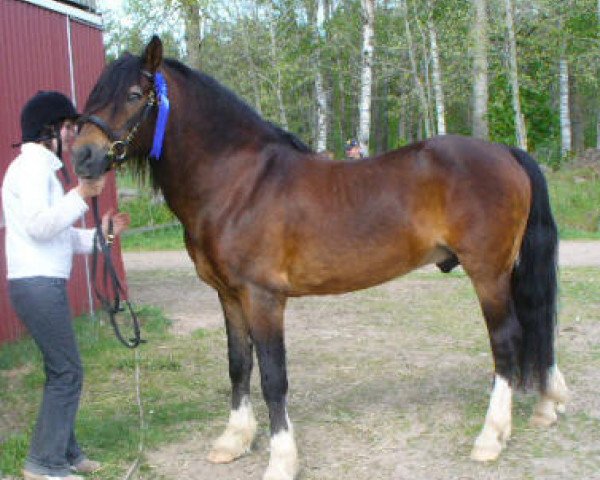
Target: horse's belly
{"x":356,"y":270}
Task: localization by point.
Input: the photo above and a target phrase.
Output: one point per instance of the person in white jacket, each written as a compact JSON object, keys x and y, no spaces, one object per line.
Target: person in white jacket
{"x":40,"y":243}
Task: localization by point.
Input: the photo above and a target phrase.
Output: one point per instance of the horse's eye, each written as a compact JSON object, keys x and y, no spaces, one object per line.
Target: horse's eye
{"x":134,"y":96}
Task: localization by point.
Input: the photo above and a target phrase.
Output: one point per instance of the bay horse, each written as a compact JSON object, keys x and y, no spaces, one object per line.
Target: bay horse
{"x":265,"y":218}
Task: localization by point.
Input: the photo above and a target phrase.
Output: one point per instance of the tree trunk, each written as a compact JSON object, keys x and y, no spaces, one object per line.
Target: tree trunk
{"x":480,"y":71}
{"x":565,"y":116}
{"x":194,"y":23}
{"x":275,"y":59}
{"x":320,"y":90}
{"x":366,"y":78}
{"x":520,"y":128}
{"x":598,"y":96}
{"x":438,"y":90}
{"x":577,"y":116}
{"x":413,"y":65}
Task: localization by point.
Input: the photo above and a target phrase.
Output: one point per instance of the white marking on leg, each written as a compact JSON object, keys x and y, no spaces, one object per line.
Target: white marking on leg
{"x":237,"y":438}
{"x":553,"y":400}
{"x":283,"y":462}
{"x":498,"y":423}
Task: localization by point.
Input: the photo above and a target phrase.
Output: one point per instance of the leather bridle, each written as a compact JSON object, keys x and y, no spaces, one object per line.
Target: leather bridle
{"x":121,"y":140}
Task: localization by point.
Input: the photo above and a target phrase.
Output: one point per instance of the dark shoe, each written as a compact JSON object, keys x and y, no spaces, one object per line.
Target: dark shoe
{"x":86,"y":466}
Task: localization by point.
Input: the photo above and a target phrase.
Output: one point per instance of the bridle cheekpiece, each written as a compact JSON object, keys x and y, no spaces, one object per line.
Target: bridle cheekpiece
{"x":118,"y":151}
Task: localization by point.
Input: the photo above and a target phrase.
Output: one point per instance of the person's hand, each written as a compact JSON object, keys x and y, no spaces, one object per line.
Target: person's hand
{"x":90,"y":188}
{"x":120,"y":221}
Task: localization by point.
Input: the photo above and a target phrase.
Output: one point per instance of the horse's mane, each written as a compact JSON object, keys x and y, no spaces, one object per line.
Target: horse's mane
{"x":112,"y":88}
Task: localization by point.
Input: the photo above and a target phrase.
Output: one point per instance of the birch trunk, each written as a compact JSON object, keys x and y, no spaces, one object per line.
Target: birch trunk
{"x":565,"y":116}
{"x":413,"y":65}
{"x":438,"y":90}
{"x":480,"y":71}
{"x":598,"y":100}
{"x":252,"y":70}
{"x":275,"y":61}
{"x":321,"y":93}
{"x":193,"y":32}
{"x":366,"y":78}
{"x":520,"y":128}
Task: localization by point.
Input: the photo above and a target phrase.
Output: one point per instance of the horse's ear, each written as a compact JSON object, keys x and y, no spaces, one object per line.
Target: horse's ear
{"x":153,"y":54}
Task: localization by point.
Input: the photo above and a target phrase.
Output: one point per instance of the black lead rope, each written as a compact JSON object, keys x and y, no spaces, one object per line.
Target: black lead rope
{"x":110,"y":273}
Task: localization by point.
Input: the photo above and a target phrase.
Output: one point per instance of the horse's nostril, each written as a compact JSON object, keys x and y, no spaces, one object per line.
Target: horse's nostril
{"x":84,"y":153}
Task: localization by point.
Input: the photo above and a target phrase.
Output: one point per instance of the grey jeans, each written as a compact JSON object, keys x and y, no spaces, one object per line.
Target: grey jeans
{"x":42,"y":305}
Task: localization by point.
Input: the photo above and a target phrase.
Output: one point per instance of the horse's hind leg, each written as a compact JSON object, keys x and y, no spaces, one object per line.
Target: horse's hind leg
{"x":264,"y":311}
{"x":505,"y":336}
{"x":237,"y":438}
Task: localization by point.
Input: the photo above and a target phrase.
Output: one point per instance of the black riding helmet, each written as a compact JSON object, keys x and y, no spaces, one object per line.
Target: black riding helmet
{"x":45,"y":108}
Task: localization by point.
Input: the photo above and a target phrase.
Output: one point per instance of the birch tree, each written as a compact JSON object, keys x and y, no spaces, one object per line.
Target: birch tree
{"x":366,"y":78}
{"x":480,"y":70}
{"x":520,"y":128}
{"x":440,"y":108}
{"x":276,"y":66}
{"x":194,"y":32}
{"x":320,"y":91}
{"x":565,"y":114}
{"x":598,"y":99}
{"x":424,"y":105}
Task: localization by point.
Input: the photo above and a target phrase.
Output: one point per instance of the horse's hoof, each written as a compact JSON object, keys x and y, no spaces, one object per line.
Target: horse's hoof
{"x":283,"y":463}
{"x":544,"y":414}
{"x":561,"y":408}
{"x":233,"y":444}
{"x":486,"y":448}
{"x":220,"y":456}
{"x":489,"y":453}
{"x":543,"y":420}
{"x":278,"y":474}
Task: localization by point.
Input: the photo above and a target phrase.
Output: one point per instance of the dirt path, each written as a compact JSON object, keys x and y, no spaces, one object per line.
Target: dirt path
{"x":379,"y":389}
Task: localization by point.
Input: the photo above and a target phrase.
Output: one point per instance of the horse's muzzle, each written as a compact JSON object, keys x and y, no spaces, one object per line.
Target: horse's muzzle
{"x":90,"y":161}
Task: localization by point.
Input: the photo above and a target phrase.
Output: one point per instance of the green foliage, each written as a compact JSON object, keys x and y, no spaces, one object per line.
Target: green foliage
{"x":575,"y":197}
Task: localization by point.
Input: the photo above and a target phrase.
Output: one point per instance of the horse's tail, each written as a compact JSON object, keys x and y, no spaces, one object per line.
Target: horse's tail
{"x":534,"y":281}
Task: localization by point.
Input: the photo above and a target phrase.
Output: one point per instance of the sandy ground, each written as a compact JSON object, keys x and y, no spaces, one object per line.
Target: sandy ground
{"x":378,"y":403}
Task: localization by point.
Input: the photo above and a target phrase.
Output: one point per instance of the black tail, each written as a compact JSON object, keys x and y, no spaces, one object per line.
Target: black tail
{"x":534,"y":279}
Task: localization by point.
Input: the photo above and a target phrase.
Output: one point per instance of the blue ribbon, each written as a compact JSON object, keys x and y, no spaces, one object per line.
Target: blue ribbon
{"x":160,"y":87}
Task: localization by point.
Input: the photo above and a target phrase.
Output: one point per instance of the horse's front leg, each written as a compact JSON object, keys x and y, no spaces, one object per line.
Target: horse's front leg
{"x":264,"y":311}
{"x":237,"y":438}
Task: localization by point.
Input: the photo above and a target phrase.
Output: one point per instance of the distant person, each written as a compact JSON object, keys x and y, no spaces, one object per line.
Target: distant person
{"x":40,"y":243}
{"x":353,"y":150}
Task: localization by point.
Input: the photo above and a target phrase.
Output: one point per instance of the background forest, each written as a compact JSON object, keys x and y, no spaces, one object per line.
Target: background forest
{"x":389,"y":72}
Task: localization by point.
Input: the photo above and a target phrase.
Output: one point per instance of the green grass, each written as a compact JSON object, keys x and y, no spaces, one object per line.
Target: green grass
{"x":575,"y":198}
{"x":170,"y":238}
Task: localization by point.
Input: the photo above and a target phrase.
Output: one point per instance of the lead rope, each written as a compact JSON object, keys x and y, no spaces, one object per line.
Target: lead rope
{"x":112,"y":309}
{"x":143,"y":427}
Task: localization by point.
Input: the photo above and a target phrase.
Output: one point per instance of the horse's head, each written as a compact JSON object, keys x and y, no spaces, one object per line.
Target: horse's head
{"x":118,"y":119}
